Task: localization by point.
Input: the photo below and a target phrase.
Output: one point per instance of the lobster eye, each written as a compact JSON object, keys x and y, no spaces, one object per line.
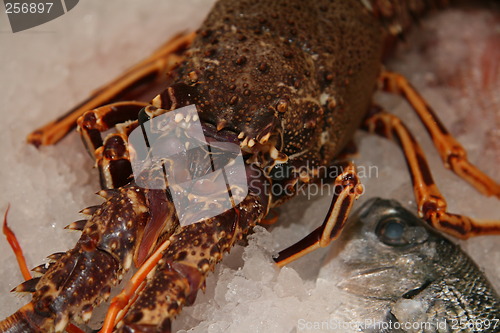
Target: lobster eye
{"x":392,"y":231}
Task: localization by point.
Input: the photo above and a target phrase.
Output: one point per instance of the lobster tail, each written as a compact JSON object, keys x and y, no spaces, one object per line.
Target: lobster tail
{"x":24,"y":320}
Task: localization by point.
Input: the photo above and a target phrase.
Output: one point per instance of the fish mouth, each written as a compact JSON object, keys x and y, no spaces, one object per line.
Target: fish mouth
{"x":414,"y":292}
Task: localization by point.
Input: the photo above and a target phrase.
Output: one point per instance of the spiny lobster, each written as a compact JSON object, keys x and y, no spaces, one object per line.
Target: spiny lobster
{"x":298,"y":109}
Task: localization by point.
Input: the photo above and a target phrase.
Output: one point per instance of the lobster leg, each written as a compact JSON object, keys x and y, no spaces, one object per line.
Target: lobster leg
{"x":347,"y":189}
{"x":452,"y":153}
{"x":121,"y":301}
{"x":16,"y":247}
{"x":431,"y":203}
{"x":128,"y":86}
{"x":101,"y":119}
{"x":111,"y":155}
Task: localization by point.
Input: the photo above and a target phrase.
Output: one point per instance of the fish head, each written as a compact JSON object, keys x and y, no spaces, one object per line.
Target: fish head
{"x":387,"y":253}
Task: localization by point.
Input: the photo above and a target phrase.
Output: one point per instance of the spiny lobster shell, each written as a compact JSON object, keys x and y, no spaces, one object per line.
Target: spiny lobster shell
{"x":267,"y":88}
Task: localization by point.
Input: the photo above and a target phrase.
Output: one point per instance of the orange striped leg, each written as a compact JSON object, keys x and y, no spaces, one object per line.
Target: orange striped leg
{"x":16,"y":247}
{"x":111,"y":155}
{"x":92,"y":123}
{"x":431,"y":203}
{"x":452,"y":153}
{"x":129,"y":86}
{"x":347,"y":189}
{"x":18,"y":251}
{"x":120,"y":303}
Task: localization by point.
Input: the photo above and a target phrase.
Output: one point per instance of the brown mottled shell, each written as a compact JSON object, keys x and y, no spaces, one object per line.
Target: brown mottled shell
{"x":302,"y":73}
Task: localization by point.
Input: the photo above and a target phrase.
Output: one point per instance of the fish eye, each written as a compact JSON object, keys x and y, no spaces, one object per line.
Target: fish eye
{"x":391,"y":231}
